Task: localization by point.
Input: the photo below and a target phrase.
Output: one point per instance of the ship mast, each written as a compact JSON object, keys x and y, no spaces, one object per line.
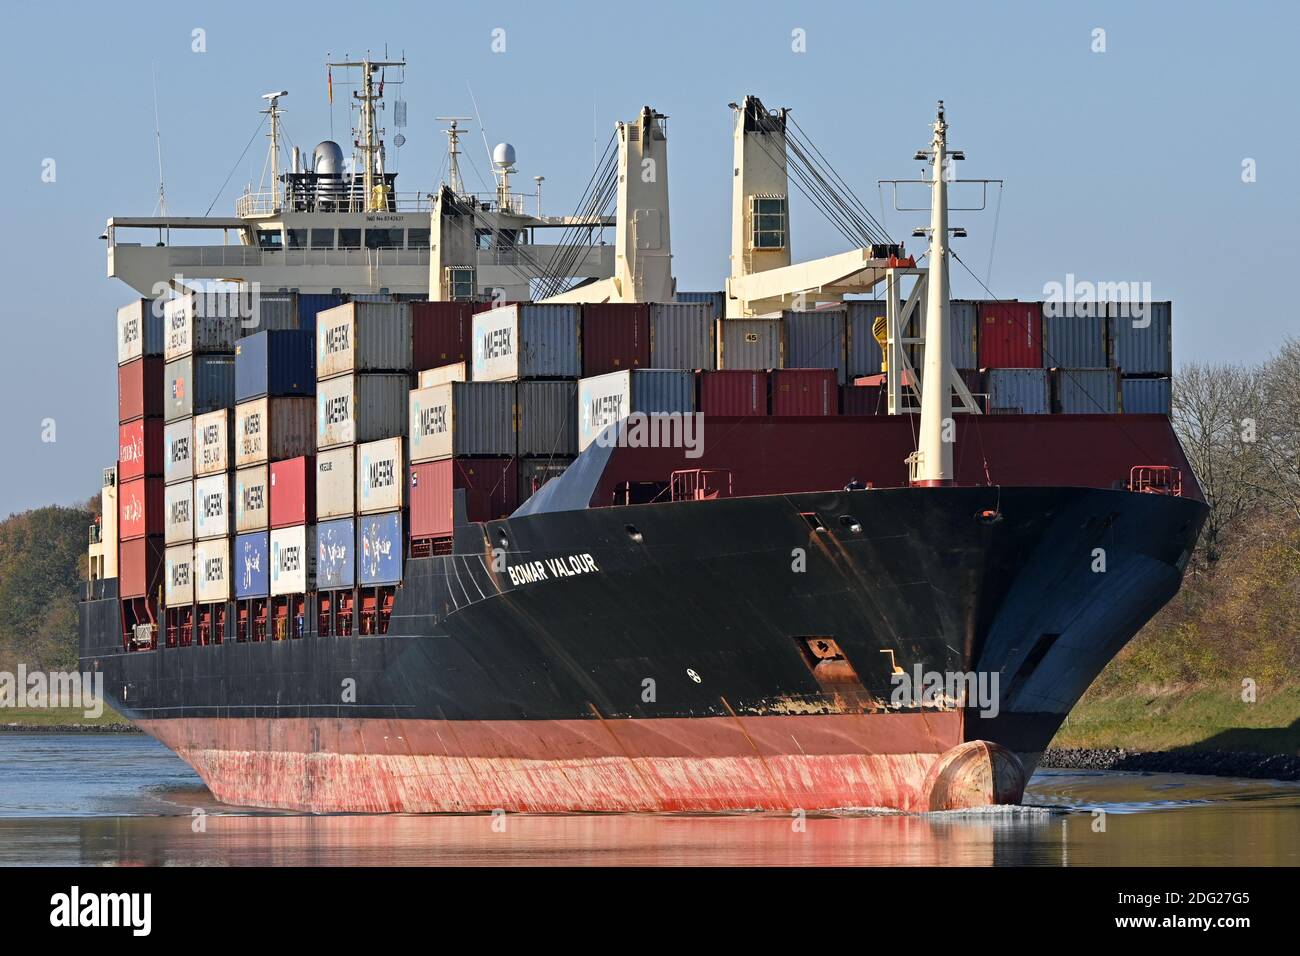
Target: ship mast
{"x":933,"y":464}
{"x":368,"y":143}
{"x":273,"y":110}
{"x":453,"y":152}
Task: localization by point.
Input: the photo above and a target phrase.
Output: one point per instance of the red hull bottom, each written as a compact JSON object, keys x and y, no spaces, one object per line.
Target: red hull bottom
{"x":912,"y":762}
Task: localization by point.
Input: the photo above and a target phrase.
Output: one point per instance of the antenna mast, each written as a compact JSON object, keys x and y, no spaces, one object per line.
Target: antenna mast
{"x":369,"y":144}
{"x":273,"y":110}
{"x":933,"y":463}
{"x":161,"y":207}
{"x":453,"y":152}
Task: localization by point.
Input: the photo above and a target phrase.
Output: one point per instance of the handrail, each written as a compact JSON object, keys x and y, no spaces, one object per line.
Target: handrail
{"x":1156,"y":480}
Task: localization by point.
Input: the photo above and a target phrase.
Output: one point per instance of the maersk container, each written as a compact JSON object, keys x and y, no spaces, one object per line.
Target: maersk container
{"x":805,"y":391}
{"x":336,"y":554}
{"x":140,"y":389}
{"x":816,"y":340}
{"x":293,"y":560}
{"x":379,"y":549}
{"x":491,"y":487}
{"x":212,"y":571}
{"x":1010,"y":334}
{"x":462,"y":418}
{"x":213,"y":512}
{"x":683,"y":335}
{"x":140,"y":449}
{"x":252,"y":565}
{"x":252,"y":499}
{"x":1141,"y":344}
{"x":363,"y":337}
{"x":1073,"y":341}
{"x":1086,"y":391}
{"x":139,"y":330}
{"x":140,"y":567}
{"x":734,"y":391}
{"x":204,"y":323}
{"x":214,"y":442}
{"x":1020,"y":391}
{"x":140,"y":508}
{"x":716,"y":301}
{"x":178,"y":575}
{"x":336,"y":489}
{"x":527,"y":341}
{"x":274,"y":429}
{"x":547,"y":414}
{"x":863,"y":353}
{"x":535,"y":472}
{"x":381,"y":476}
{"x":293,"y":491}
{"x":443,"y":374}
{"x":351,"y":409}
{"x":178,"y":450}
{"x":615,"y":336}
{"x":441,"y":334}
{"x":197,"y":384}
{"x":276,"y":364}
{"x":178,"y":503}
{"x":606,"y":399}
{"x":1146,"y":396}
{"x":750,"y":343}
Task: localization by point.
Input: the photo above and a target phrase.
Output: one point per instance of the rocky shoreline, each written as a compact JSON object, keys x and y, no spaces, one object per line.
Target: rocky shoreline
{"x":1212,"y":763}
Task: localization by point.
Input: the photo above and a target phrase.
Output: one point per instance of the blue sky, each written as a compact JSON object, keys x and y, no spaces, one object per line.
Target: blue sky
{"x":1122,"y":165}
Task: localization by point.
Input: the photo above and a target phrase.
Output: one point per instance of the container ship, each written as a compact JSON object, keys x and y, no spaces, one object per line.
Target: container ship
{"x":415,"y":512}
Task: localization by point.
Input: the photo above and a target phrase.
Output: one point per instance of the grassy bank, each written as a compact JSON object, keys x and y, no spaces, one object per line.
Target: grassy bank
{"x":38,"y":717}
{"x":1186,"y":717}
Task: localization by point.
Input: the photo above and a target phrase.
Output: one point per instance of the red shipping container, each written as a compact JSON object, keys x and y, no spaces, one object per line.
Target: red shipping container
{"x":293,"y":492}
{"x":863,"y":400}
{"x":140,"y":508}
{"x":1011,"y":335}
{"x":140,"y":389}
{"x":615,"y":337}
{"x":492,"y":485}
{"x":441,"y":334}
{"x":140,"y":449}
{"x":736,"y":391}
{"x":140,"y":567}
{"x":805,"y":391}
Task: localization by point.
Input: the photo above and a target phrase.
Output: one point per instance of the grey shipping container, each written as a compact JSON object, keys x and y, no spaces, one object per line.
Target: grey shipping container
{"x":716,"y":301}
{"x":363,"y":337}
{"x":863,"y":351}
{"x":750,"y":343}
{"x":683,"y":335}
{"x":963,"y":327}
{"x":462,"y":418}
{"x":204,"y":323}
{"x":1146,"y":396}
{"x":527,"y":341}
{"x":1086,"y":391}
{"x":1141,"y":344}
{"x":197,"y":384}
{"x":548,"y":418}
{"x":606,"y":399}
{"x":1073,"y":341}
{"x":816,"y":340}
{"x":1021,"y":391}
{"x":351,"y":409}
{"x":272,"y":311}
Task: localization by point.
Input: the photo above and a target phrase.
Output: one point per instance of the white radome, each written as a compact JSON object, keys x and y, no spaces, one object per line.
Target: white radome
{"x":503,"y":154}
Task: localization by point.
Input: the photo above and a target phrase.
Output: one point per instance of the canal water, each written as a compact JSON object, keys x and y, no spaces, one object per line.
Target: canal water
{"x":90,"y":799}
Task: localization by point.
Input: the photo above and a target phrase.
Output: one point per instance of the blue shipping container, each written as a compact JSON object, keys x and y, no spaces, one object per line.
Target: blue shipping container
{"x":1146,"y":396}
{"x":715,"y":299}
{"x":1141,"y":344}
{"x":275,"y":363}
{"x":310,"y":303}
{"x":198,"y":384}
{"x":336,"y":554}
{"x":252,"y":566}
{"x":379,"y":549}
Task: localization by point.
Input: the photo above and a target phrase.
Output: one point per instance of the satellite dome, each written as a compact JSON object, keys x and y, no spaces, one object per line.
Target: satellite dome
{"x":503,"y":154}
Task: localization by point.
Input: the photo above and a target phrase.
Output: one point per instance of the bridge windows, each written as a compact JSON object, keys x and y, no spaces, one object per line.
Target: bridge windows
{"x":417,"y":238}
{"x":296,"y":238}
{"x":322,"y":238}
{"x":270,"y":239}
{"x":384,"y":238}
{"x":349,"y":238}
{"x":768,"y":219}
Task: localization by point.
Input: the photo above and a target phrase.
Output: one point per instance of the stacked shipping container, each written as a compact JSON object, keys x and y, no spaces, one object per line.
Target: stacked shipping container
{"x":141,"y":497}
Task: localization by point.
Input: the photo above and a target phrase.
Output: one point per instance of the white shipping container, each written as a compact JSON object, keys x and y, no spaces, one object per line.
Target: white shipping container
{"x":252,"y":499}
{"x":527,"y":341}
{"x":198,"y":322}
{"x":213,"y":442}
{"x":212,"y":571}
{"x":462,"y":418}
{"x":363,"y":337}
{"x":606,"y":399}
{"x":178,"y":451}
{"x":381,"y":476}
{"x":351,"y":409}
{"x":443,"y":374}
{"x":293,"y":560}
{"x":138,"y":330}
{"x":274,"y":429}
{"x":178,"y":563}
{"x":336,"y":483}
{"x":213,"y":514}
{"x":178,"y":500}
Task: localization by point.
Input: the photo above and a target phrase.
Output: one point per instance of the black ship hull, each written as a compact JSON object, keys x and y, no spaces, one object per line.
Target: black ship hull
{"x":716,"y":654}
